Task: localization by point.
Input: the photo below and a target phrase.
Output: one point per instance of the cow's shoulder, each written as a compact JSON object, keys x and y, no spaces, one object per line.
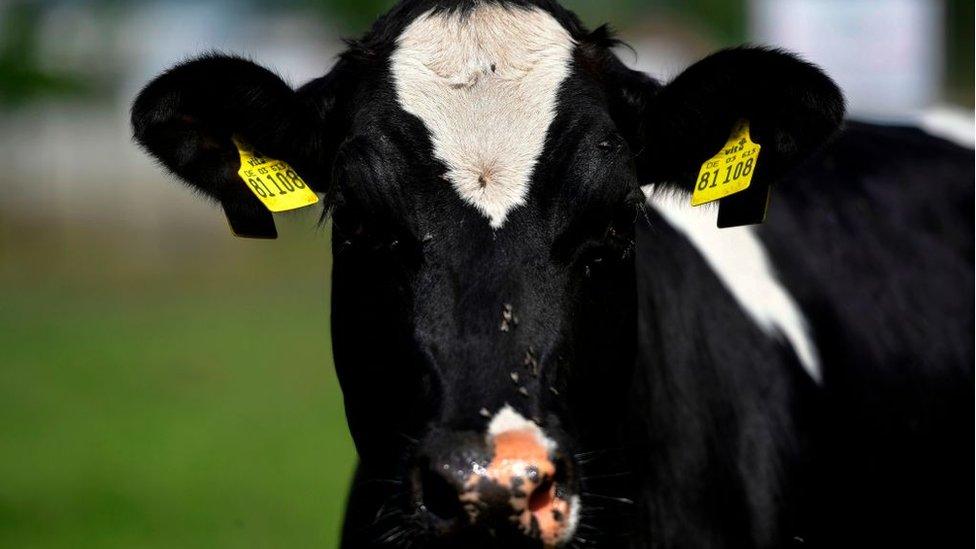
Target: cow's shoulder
{"x":874,"y":239}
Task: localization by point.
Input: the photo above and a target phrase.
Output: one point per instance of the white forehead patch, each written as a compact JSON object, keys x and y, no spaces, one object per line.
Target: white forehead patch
{"x":740,"y":261}
{"x":507,"y":419}
{"x":485,"y":84}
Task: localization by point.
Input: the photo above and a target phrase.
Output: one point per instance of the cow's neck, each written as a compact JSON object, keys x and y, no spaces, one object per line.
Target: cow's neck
{"x":722,"y":396}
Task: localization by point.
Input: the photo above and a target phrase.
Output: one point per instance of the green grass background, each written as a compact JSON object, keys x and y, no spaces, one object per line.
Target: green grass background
{"x":171,"y":397}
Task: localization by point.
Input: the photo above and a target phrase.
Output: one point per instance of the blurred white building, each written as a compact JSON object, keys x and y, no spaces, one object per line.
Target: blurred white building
{"x":75,"y":162}
{"x":888,"y":56}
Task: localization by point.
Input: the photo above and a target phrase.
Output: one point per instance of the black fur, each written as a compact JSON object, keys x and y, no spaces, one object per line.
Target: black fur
{"x":723,"y":412}
{"x":679,"y":421}
{"x":881,"y":261}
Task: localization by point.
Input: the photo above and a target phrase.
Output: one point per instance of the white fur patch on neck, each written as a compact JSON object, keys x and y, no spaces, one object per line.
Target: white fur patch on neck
{"x":739,"y":259}
{"x":485,"y":84}
{"x":507,"y":420}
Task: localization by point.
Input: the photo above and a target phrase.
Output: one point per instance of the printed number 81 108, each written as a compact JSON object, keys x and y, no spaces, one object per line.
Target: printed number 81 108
{"x":710,"y":180}
{"x":284,"y":182}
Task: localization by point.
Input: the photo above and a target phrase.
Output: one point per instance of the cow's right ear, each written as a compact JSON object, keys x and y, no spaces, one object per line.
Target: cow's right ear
{"x":190,"y":116}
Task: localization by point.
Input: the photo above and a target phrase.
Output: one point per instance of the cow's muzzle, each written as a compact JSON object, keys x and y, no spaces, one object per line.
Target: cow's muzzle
{"x":512,"y":479}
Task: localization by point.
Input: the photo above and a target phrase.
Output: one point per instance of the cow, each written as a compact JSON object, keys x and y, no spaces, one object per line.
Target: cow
{"x":539,"y":341}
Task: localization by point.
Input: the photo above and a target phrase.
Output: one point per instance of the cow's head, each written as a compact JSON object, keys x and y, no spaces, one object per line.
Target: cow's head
{"x":484,"y":162}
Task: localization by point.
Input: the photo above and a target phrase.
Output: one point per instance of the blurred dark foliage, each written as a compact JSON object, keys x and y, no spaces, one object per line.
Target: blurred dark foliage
{"x":22,"y":77}
{"x":726,"y":19}
{"x":959,"y":42}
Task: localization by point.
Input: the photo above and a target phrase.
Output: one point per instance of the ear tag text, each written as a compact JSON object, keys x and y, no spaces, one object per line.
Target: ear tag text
{"x":731,"y":170}
{"x":276,"y":184}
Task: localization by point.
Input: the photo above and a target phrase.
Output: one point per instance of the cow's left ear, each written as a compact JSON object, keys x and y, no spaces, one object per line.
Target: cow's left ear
{"x":792,"y":108}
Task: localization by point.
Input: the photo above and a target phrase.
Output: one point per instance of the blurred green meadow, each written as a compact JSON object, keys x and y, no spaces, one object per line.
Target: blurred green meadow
{"x":182,"y":400}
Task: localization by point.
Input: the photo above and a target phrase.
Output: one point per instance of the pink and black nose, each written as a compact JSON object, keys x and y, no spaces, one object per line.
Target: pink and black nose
{"x":510,"y":478}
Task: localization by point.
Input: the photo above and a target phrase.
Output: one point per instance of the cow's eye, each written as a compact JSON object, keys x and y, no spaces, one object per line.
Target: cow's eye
{"x":610,"y":143}
{"x":598,"y":256}
{"x":599,"y":240}
{"x":355,"y":232}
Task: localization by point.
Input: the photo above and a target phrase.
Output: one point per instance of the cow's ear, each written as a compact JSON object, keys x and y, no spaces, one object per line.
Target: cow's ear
{"x":190,"y":116}
{"x":791,"y":106}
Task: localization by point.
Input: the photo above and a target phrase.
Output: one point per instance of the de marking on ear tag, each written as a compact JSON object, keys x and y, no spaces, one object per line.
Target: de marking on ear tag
{"x":727,"y":177}
{"x":276,"y":184}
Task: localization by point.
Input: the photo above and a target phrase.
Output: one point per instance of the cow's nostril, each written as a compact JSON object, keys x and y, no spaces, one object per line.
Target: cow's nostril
{"x":542,"y":496}
{"x":439,"y":497}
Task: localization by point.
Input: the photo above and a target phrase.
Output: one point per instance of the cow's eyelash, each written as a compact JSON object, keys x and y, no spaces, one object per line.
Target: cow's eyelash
{"x":367,"y":233}
{"x":360,"y":236}
{"x":613,"y":245}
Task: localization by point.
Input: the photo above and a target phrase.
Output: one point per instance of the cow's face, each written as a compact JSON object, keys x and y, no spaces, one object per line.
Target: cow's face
{"x":483,"y":280}
{"x":484,"y":164}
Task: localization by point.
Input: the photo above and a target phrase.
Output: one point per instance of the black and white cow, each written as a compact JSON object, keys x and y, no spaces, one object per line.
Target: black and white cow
{"x":541,"y":343}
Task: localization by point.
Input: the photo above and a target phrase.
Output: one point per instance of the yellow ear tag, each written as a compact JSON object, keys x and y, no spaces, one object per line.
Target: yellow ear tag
{"x":730,"y":171}
{"x":276,"y":184}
